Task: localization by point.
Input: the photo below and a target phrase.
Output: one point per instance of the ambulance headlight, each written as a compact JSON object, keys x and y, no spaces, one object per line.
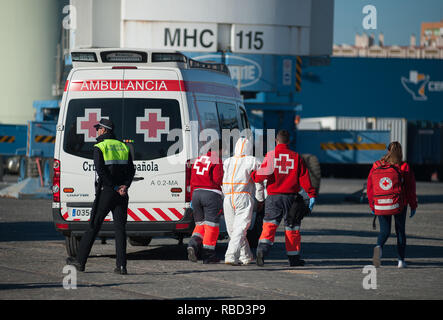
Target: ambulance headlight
{"x":83,"y":57}
{"x":124,"y":56}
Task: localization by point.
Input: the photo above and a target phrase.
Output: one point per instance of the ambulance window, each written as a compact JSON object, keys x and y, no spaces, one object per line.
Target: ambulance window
{"x":152,"y":126}
{"x":244,"y":119}
{"x":143,"y":123}
{"x":206,"y":115}
{"x":80,"y":134}
{"x":228,"y":115}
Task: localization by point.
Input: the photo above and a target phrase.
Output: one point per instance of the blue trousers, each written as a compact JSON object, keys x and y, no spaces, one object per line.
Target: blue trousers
{"x":400,"y":230}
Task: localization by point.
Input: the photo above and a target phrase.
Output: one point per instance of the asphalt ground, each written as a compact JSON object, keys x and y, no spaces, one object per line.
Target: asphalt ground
{"x":337,"y":244}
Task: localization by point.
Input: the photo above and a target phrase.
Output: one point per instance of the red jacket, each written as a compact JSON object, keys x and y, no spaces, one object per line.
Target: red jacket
{"x":409,"y":196}
{"x":207,"y":172}
{"x":285,"y":171}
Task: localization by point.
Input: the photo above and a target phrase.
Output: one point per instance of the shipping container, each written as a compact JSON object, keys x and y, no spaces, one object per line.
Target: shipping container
{"x":397,"y":127}
{"x":373,"y":87}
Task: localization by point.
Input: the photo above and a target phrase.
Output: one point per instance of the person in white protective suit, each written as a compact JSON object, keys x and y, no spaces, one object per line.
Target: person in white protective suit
{"x":238,"y":204}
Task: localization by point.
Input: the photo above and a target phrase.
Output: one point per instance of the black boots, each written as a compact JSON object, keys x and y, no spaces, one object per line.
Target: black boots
{"x":260,"y":258}
{"x":195,"y":248}
{"x":120,"y":270}
{"x":73,"y":262}
{"x":192,"y":255}
{"x":262,"y":251}
{"x":207,"y":255}
{"x":210,"y":257}
{"x":295,"y":261}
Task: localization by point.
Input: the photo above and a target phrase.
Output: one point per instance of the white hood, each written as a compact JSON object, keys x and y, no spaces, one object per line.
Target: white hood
{"x":243,"y":147}
{"x":237,"y":172}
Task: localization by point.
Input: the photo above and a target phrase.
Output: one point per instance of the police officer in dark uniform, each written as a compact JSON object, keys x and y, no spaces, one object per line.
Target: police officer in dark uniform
{"x":114,"y":173}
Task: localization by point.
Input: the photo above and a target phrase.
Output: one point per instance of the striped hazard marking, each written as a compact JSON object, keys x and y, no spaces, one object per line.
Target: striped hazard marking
{"x":298,"y":65}
{"x":342,"y":146}
{"x":7,"y":139}
{"x":44,"y":139}
{"x":134,"y":214}
{"x":154,"y":214}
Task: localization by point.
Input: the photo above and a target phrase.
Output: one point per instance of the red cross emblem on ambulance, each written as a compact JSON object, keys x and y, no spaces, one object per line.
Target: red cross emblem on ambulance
{"x":284,"y":163}
{"x":385,"y":183}
{"x":85,"y":125}
{"x":152,"y":125}
{"x":202,"y":164}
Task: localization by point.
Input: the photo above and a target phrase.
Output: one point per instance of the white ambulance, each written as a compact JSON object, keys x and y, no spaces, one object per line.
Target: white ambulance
{"x":154,"y":98}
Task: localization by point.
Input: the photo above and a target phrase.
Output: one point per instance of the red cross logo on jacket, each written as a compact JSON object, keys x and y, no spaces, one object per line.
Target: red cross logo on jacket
{"x":284,"y":163}
{"x":202,"y":165}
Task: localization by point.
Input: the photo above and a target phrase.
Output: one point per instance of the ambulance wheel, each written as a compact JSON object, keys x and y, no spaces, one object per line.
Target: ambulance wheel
{"x":140,"y":241}
{"x":314,"y":170}
{"x":72,"y":244}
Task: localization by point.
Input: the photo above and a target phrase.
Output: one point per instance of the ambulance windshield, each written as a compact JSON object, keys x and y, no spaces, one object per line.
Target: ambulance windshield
{"x":147,"y":125}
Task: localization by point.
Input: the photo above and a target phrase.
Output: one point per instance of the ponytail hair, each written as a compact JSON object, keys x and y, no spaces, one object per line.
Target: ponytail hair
{"x":394,"y":154}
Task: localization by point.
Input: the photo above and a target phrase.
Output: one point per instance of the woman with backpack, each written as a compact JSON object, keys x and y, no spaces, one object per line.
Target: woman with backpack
{"x":390,"y":189}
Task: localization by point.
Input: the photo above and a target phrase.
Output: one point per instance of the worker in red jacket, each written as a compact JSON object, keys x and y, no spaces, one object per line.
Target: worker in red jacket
{"x":390,"y":189}
{"x":207,"y":204}
{"x":285,"y":172}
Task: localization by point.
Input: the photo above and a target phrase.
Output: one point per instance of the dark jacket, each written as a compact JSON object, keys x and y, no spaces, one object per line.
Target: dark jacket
{"x":113,"y":175}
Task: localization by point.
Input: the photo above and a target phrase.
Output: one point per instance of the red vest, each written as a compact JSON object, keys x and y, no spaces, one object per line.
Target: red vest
{"x":207,"y":172}
{"x":285,"y":171}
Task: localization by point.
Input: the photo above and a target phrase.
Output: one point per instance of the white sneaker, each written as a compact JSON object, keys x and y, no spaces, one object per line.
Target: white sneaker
{"x":402,"y":264}
{"x":376,"y":257}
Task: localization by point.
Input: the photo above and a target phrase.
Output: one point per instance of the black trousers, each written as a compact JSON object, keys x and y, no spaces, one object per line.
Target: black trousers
{"x":108,"y":200}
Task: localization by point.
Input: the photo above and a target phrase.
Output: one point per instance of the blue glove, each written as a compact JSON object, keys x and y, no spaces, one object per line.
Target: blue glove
{"x":373,"y":213}
{"x":412,"y":213}
{"x":311,"y":203}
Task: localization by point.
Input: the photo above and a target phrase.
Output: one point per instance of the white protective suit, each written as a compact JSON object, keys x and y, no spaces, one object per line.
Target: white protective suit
{"x":239,"y":191}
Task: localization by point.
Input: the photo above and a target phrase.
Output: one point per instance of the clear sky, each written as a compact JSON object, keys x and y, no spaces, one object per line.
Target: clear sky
{"x":396,"y":19}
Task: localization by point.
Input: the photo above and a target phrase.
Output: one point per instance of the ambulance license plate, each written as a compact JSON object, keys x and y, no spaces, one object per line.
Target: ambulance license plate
{"x":80,"y":212}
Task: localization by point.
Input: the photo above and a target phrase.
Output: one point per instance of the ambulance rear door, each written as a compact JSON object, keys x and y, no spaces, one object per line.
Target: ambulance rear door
{"x":92,"y":94}
{"x":152,"y":128}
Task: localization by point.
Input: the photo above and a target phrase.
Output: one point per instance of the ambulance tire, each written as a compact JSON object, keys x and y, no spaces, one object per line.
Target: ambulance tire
{"x":254,"y":234}
{"x":140,"y":241}
{"x":72,"y":244}
{"x":314,"y":170}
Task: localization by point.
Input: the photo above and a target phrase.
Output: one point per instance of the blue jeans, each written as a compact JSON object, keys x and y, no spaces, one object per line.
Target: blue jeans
{"x":400,"y":230}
